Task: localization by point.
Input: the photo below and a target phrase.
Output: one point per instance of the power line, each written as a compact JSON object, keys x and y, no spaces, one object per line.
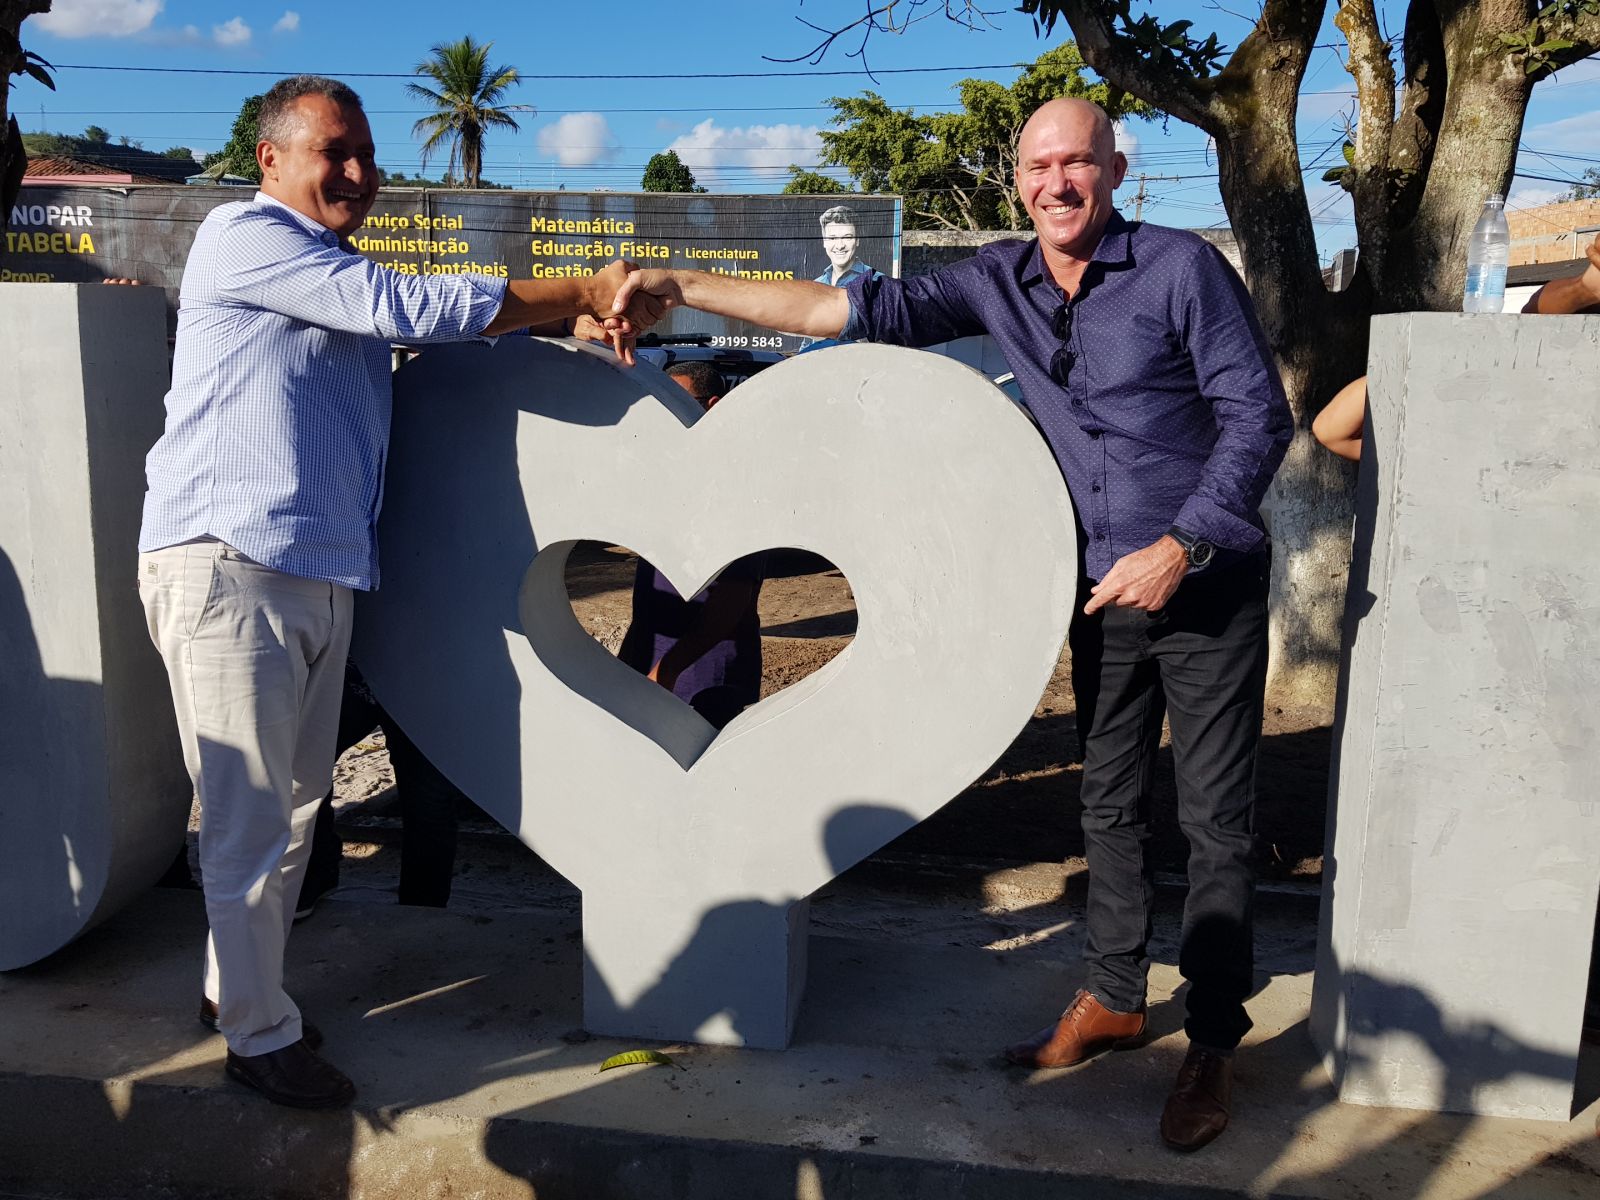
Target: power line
{"x":413,"y":112}
{"x":525,"y":75}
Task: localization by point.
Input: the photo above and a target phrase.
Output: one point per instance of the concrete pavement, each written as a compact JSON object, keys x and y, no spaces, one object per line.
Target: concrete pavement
{"x":460,"y":1030}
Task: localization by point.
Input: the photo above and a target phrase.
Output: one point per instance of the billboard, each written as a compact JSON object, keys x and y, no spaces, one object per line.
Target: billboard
{"x":82,"y":234}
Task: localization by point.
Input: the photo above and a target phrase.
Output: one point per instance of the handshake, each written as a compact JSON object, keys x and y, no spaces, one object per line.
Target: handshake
{"x":623,"y":301}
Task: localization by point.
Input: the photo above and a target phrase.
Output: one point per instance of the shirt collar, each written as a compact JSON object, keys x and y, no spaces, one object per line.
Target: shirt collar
{"x":315,"y":228}
{"x":1115,"y":246}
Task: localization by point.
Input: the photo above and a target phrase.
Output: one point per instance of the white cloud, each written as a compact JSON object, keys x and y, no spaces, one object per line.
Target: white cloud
{"x":1126,"y":141}
{"x":1322,"y":112}
{"x":288,"y":23}
{"x":1533,"y":194}
{"x":136,"y":19}
{"x":709,"y":148}
{"x":231,"y":33}
{"x":98,"y":18}
{"x":1569,"y":135}
{"x":579,"y":140}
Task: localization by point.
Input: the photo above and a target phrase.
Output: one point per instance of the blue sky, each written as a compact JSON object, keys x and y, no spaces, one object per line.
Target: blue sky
{"x":737,"y":134}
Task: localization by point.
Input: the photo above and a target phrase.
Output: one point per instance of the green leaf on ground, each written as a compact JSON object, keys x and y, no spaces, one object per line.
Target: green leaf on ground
{"x":639,"y":1058}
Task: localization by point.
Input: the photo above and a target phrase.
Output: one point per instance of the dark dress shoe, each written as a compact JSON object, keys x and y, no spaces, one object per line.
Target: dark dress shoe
{"x":310,"y":893}
{"x":1086,"y":1029}
{"x":1197,"y":1110}
{"x":309,"y":1033}
{"x":293,"y":1076}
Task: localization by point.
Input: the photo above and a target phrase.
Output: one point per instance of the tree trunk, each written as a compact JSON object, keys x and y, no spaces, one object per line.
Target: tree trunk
{"x":1320,"y":343}
{"x":12,"y":158}
{"x":1318,"y":340}
{"x":1474,"y":153}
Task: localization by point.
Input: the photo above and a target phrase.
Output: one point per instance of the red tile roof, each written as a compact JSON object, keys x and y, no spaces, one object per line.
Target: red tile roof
{"x":54,"y":167}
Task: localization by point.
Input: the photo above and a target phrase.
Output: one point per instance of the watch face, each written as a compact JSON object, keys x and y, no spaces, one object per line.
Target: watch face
{"x":1200,"y":553}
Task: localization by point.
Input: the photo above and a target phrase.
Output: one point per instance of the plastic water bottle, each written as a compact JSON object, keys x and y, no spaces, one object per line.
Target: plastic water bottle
{"x":1487,"y":253}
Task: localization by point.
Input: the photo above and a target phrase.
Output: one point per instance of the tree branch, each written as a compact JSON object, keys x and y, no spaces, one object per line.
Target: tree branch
{"x":1580,"y":28}
{"x":1372,"y":69}
{"x":1421,"y":112}
{"x":1267,"y":66}
{"x":1179,"y":93}
{"x":880,"y":18}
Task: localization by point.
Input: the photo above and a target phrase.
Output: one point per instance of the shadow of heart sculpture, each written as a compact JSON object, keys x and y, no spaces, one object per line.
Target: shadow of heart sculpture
{"x":695,"y":850}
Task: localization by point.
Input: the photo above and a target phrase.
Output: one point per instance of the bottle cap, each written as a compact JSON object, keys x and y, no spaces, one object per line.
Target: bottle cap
{"x":1497,"y":198}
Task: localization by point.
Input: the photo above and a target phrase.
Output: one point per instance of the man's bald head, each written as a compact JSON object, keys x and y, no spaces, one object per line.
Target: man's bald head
{"x":1071,"y":114}
{"x":1067,"y":167}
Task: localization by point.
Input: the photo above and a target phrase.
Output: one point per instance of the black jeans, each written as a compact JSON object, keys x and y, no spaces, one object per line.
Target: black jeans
{"x":1202,"y":662}
{"x":427,"y":808}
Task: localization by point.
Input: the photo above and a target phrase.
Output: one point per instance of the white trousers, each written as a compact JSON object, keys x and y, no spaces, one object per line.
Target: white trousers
{"x":256,"y":663}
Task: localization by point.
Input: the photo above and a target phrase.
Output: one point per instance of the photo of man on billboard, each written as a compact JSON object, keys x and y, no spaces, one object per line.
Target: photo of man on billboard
{"x":839,"y":240}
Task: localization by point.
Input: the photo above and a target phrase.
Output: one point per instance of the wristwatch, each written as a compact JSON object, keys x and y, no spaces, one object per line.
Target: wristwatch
{"x":1198,"y":550}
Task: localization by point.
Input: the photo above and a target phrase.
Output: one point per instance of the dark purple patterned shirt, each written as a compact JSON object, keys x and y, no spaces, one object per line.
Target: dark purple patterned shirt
{"x":1172,"y":413}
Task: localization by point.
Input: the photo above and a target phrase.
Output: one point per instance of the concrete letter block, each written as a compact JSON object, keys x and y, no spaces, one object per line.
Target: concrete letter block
{"x":1464,"y":815}
{"x":93,"y":793}
{"x":695,"y":850}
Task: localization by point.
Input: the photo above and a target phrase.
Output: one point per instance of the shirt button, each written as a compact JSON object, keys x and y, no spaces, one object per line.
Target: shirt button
{"x":1099,"y":537}
{"x":1094,"y":487}
{"x":1094,"y":434}
{"x":1077,"y":403}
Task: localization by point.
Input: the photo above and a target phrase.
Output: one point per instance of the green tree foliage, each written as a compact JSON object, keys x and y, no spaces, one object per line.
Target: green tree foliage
{"x":811,"y":183}
{"x":122,"y":153}
{"x":467,"y":95}
{"x":1588,"y":189}
{"x":957,"y":170}
{"x":400,"y":179}
{"x":665,"y":172}
{"x":238,"y":157}
{"x":14,"y":60}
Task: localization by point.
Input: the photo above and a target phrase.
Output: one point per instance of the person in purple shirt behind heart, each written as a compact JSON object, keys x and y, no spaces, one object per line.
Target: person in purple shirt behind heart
{"x":705,"y":650}
{"x":1140,"y":355}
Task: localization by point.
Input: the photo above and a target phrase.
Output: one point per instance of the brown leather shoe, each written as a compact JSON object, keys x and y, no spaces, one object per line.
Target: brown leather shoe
{"x":1086,"y":1029}
{"x":293,"y":1076}
{"x":309,"y":1033}
{"x":1197,"y":1110}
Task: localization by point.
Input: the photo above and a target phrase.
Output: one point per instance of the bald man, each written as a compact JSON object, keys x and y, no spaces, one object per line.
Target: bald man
{"x":1140,"y":355}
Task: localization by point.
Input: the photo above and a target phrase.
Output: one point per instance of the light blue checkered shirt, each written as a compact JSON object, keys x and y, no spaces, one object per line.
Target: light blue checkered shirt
{"x":278,"y":418}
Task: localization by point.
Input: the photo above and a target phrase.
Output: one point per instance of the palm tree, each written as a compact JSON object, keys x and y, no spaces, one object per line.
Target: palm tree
{"x":467,"y":95}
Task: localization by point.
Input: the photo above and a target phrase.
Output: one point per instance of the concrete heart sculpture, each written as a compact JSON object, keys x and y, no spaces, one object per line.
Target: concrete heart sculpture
{"x":695,"y":850}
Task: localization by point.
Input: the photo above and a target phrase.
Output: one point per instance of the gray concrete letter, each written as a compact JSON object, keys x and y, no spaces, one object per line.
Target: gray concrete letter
{"x":695,"y":850}
{"x":93,"y":793}
{"x":1464,"y":815}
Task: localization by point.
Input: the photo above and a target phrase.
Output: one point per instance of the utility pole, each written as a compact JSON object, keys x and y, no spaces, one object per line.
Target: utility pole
{"x":1141,"y":195}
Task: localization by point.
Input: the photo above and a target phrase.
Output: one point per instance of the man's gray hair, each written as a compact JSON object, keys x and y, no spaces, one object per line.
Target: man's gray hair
{"x":277,"y":121}
{"x":838,"y":215}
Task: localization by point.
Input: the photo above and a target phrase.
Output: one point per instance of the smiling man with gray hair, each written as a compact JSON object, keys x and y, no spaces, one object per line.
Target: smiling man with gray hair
{"x":263,"y":497}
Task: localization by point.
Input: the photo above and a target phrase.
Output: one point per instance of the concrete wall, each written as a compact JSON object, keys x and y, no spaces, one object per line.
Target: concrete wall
{"x":1464,"y":816}
{"x":94,"y":799}
{"x":695,"y":850}
{"x":1552,"y":232}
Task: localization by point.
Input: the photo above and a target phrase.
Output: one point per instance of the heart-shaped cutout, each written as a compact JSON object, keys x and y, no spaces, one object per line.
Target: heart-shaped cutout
{"x":931,"y":491}
{"x":763,"y":624}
